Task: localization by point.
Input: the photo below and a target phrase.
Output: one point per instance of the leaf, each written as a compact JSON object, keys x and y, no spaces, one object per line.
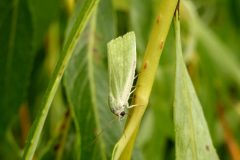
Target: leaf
{"x":193,"y":140}
{"x":71,"y":42}
{"x":16,"y":59}
{"x":123,"y":149}
{"x":86,"y":86}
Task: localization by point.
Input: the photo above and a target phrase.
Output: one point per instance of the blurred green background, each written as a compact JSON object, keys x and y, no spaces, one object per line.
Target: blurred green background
{"x":80,"y":124}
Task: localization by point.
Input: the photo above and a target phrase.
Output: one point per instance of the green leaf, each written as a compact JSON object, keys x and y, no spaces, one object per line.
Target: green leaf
{"x":86,"y":86}
{"x":193,"y":140}
{"x":16,"y":58}
{"x":71,"y":42}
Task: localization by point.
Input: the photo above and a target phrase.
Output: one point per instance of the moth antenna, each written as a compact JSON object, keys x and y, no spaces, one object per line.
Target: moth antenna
{"x":96,"y":138}
{"x":122,"y":129}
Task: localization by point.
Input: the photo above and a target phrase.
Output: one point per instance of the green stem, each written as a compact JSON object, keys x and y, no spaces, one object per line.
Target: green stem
{"x":123,"y":148}
{"x":69,"y":46}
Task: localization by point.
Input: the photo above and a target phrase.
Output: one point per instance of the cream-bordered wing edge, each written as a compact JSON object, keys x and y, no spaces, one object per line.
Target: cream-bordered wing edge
{"x":121,"y":70}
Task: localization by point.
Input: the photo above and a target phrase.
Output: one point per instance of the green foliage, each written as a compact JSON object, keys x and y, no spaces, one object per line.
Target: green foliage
{"x":70,"y":115}
{"x":82,"y":15}
{"x":16,"y":59}
{"x":193,"y":140}
{"x":86,"y":84}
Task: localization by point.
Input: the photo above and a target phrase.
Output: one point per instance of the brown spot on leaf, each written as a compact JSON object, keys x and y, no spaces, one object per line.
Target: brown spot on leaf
{"x":158,"y":19}
{"x":95,"y":50}
{"x":63,"y":126}
{"x":161,"y":45}
{"x":56,"y":147}
{"x":67,"y":113}
{"x":145,"y":65}
{"x":207,"y":147}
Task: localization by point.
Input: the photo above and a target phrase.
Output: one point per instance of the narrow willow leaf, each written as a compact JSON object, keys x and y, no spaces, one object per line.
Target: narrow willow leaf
{"x":86,"y":86}
{"x":71,"y":42}
{"x":16,"y":60}
{"x":193,"y":140}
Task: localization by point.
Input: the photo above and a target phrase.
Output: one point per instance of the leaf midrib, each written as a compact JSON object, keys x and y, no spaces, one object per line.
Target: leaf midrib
{"x":189,"y":104}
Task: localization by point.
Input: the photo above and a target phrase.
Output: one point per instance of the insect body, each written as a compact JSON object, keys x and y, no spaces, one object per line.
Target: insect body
{"x":121,"y":70}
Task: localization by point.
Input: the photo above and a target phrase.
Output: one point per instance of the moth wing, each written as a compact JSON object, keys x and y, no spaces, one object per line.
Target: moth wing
{"x":122,"y":64}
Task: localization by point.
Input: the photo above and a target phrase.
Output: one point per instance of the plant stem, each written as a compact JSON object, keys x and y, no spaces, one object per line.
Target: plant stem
{"x":123,"y":148}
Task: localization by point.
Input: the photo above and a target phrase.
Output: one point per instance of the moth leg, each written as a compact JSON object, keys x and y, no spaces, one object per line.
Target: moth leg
{"x":134,"y":105}
{"x":133,"y":90}
{"x":134,"y":87}
{"x":121,"y":126}
{"x":137,"y":75}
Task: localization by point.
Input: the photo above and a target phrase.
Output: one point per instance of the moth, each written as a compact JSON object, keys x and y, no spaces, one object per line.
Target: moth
{"x":121,"y":70}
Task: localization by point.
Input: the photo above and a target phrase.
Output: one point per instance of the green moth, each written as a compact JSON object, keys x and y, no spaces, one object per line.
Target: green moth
{"x":121,"y":70}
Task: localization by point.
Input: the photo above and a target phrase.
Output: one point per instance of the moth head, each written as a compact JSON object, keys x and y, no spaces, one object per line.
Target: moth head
{"x":122,"y":114}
